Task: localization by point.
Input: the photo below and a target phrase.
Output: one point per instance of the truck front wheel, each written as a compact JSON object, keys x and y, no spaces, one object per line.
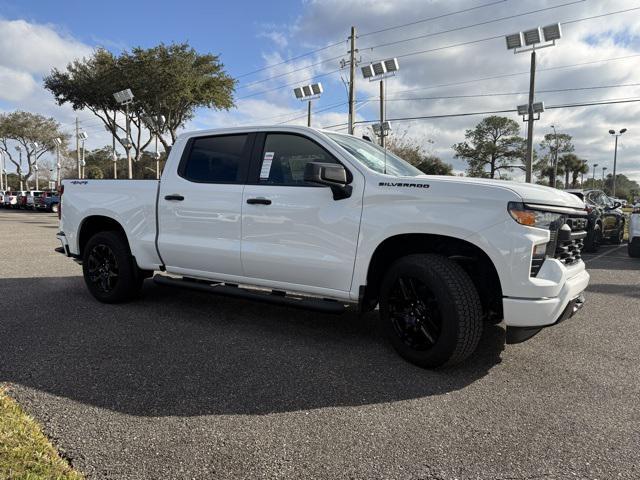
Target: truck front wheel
{"x":109,"y":269}
{"x":431,"y":311}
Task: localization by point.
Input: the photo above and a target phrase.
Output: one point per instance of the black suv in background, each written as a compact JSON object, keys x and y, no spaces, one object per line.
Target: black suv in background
{"x":606,"y":220}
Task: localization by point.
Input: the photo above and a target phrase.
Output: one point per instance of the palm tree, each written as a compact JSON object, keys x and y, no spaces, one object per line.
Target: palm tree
{"x":579,"y":169}
{"x":567,"y":164}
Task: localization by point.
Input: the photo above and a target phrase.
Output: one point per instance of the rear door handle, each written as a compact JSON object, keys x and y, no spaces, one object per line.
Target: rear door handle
{"x":258,"y":201}
{"x":174,"y":197}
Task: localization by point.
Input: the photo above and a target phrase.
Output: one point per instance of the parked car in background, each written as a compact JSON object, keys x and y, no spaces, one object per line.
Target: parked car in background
{"x":22,"y":200}
{"x":11,"y":198}
{"x":31,"y":196}
{"x":634,"y":233}
{"x":606,"y":220}
{"x":2,"y":194}
{"x":48,"y":201}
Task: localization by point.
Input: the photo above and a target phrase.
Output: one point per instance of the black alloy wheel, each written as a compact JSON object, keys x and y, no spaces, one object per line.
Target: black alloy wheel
{"x":102,"y":268}
{"x":414,"y":313}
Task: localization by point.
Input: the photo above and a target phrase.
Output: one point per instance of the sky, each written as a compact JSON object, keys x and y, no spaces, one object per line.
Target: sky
{"x":452,"y":57}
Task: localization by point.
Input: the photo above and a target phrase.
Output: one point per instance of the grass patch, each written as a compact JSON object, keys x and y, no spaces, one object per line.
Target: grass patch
{"x":25,"y":453}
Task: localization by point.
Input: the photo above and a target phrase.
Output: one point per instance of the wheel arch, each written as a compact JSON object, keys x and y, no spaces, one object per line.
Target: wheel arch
{"x":475,"y":261}
{"x":94,"y":224}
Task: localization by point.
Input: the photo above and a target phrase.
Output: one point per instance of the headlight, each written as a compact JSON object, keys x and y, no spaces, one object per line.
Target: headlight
{"x":533,"y":218}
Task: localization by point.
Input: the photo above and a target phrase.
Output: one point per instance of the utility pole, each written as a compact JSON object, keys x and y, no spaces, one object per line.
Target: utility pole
{"x":309,"y":113}
{"x":555,"y":159}
{"x":532,"y":83}
{"x":78,"y":148}
{"x":1,"y":171}
{"x":382,"y":135}
{"x":352,"y":80}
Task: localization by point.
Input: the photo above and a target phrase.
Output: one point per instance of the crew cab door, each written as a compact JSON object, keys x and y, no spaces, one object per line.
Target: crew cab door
{"x":199,"y":206}
{"x":294,"y":232}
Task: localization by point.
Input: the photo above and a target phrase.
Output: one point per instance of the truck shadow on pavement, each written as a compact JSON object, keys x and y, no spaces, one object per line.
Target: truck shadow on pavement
{"x":186,"y":353}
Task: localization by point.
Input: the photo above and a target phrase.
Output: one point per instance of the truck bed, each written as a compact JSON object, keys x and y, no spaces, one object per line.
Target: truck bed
{"x":130,"y":202}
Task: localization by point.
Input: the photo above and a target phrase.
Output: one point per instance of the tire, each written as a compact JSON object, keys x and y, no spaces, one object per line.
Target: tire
{"x":54,"y":208}
{"x":618,"y":238}
{"x":430,"y":310}
{"x":594,"y":239}
{"x":109,"y":270}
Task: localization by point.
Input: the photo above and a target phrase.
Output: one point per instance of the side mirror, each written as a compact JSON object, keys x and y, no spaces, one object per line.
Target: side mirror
{"x":332,"y":175}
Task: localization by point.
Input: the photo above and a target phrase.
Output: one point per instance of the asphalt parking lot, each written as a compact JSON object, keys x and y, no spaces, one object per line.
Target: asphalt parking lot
{"x":186,"y":385}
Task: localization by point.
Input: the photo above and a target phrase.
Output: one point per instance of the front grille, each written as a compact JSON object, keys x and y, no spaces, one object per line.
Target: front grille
{"x":569,"y":240}
{"x":566,"y":242}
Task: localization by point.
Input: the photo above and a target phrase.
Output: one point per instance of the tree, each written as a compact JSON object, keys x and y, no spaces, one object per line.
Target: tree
{"x":580,"y":169}
{"x":413,"y":152}
{"x":166,"y":80}
{"x":552,"y":145}
{"x":34,"y":134}
{"x":567,"y":164}
{"x":495,"y":142}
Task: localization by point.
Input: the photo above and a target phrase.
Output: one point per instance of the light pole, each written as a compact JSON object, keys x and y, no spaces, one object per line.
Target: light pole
{"x":594,"y":174}
{"x":19,"y":150}
{"x":125,"y":97}
{"x":531,"y":39}
{"x":615,"y":158}
{"x":58,"y":142}
{"x":34,"y":146}
{"x":308,"y":93}
{"x":114,"y":155}
{"x":603,"y":170}
{"x":380,"y":71}
{"x":82,"y":136}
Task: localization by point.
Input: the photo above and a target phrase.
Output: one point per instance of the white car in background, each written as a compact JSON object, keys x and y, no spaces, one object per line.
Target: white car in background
{"x":11,"y":198}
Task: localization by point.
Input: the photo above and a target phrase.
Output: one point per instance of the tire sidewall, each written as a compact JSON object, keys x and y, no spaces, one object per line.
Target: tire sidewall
{"x":127,"y":275}
{"x":446,"y":343}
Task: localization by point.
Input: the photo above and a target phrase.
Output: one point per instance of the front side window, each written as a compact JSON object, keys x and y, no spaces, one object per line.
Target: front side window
{"x":285,"y":156}
{"x":216,"y":159}
{"x":374,"y":157}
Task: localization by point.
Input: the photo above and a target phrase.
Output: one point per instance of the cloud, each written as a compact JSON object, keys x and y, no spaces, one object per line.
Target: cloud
{"x":423,"y":75}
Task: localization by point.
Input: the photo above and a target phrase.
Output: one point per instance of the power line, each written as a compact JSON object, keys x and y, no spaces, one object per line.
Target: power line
{"x":506,"y":75}
{"x":431,"y":18}
{"x":314,"y":111}
{"x":256,"y":82}
{"x":336,"y":43}
{"x":501,"y":94}
{"x":464,"y":27}
{"x":493,"y":112}
{"x":436,"y":49}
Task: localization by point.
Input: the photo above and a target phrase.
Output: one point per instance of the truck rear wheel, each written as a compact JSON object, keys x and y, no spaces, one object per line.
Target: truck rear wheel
{"x":431,"y":311}
{"x":109,"y":269}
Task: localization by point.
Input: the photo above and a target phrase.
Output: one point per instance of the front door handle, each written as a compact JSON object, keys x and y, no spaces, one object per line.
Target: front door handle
{"x":258,"y":201}
{"x":175,"y":196}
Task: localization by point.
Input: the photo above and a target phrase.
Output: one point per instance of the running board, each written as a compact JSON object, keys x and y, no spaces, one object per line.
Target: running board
{"x":276,"y":297}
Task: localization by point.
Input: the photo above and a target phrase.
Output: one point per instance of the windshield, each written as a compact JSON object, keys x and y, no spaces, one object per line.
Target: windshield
{"x":374,"y":157}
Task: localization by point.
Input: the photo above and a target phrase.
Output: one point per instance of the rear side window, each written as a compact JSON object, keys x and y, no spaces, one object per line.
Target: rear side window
{"x":219,"y":159}
{"x":285,"y":157}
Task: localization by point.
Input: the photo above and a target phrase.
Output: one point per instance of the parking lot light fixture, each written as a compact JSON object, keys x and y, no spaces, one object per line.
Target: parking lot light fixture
{"x":307,"y":93}
{"x":615,"y":157}
{"x":595,"y":165}
{"x":530,"y":41}
{"x":380,"y":71}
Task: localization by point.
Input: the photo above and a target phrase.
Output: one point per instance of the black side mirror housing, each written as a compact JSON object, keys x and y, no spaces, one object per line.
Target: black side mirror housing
{"x":332,"y":175}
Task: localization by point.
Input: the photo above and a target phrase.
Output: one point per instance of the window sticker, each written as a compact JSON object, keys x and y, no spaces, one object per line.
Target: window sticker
{"x":266,"y":165}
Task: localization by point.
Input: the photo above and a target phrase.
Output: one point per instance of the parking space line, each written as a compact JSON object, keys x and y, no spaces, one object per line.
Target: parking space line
{"x":604,"y":253}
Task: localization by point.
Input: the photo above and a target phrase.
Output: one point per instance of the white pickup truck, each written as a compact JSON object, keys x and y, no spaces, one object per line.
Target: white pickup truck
{"x":318,"y":219}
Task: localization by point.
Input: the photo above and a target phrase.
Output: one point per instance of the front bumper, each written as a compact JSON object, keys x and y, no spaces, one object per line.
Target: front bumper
{"x":526,"y":317}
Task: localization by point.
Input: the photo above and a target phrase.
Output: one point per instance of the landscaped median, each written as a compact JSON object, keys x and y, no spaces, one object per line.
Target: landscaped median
{"x":25,"y":453}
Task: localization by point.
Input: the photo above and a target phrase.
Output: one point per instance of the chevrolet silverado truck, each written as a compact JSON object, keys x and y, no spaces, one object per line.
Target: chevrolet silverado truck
{"x":321,"y":220}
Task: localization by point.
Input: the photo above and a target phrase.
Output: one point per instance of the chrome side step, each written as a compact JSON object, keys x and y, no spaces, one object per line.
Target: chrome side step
{"x":275,"y":297}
